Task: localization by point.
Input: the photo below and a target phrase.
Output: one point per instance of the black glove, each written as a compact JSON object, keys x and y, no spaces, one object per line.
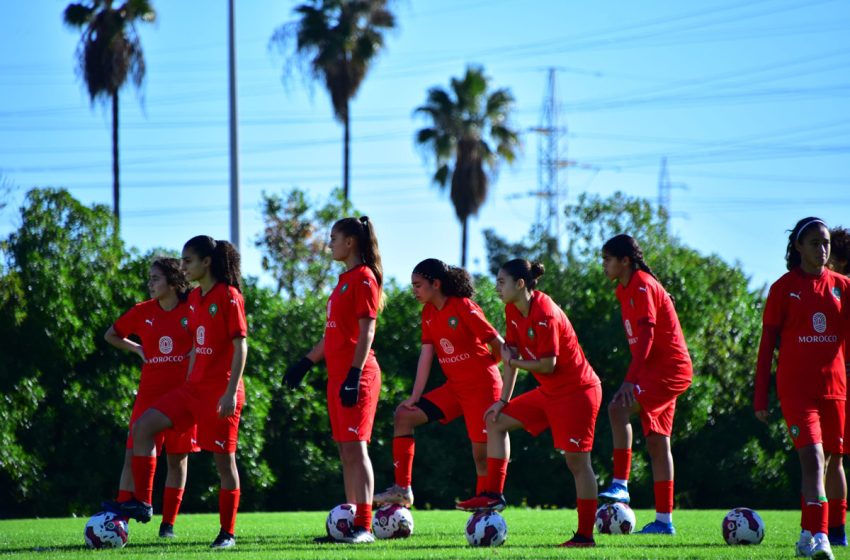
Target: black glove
{"x":296,"y":372}
{"x":350,"y":389}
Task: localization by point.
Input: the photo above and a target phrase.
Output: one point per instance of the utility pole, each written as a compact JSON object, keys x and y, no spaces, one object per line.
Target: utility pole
{"x":551,"y":158}
{"x":234,"y":142}
{"x":665,"y":186}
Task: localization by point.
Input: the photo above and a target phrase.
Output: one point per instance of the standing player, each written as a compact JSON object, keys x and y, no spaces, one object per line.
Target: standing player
{"x":354,"y":377}
{"x":806,"y":316}
{"x":540,"y":339}
{"x":455,"y":328}
{"x":836,"y":481}
{"x":213,"y":395}
{"x":659,"y":372}
{"x":161,"y":324}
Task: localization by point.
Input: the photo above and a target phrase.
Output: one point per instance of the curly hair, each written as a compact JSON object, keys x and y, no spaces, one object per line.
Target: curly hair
{"x":840,"y":248}
{"x":454,"y":281}
{"x":174,"y":276}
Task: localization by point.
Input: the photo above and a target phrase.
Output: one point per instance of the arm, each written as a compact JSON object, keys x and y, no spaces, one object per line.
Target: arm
{"x":227,"y":403}
{"x":508,"y":382}
{"x":769,"y":338}
{"x":349,"y":392}
{"x":423,"y":372}
{"x":191,"y":362}
{"x":295,"y":372}
{"x":495,"y":345}
{"x":123,"y":343}
{"x":543,"y":366}
{"x":625,"y":395}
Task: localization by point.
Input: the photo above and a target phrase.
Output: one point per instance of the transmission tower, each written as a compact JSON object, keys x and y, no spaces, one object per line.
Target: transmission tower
{"x":665,"y":186}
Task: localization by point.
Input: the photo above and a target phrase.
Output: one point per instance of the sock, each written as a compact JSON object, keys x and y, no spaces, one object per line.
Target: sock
{"x":363,"y":516}
{"x":171,"y":504}
{"x":816,"y":515}
{"x":621,"y":482}
{"x":124,"y":495}
{"x":403,"y":450}
{"x":664,"y":517}
{"x":480,"y":484}
{"x":663,"y":497}
{"x":622,"y":463}
{"x":497,"y":471}
{"x":143,"y":470}
{"x":586,"y":517}
{"x":228,"y":504}
{"x":837,"y":513}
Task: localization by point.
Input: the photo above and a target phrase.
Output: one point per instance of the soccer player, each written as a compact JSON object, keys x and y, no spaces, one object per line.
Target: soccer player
{"x":659,"y":372}
{"x":213,"y":395}
{"x":540,"y":339}
{"x":160,"y":324}
{"x":354,"y":377}
{"x":836,"y":482}
{"x":806,"y":316}
{"x":455,"y":329}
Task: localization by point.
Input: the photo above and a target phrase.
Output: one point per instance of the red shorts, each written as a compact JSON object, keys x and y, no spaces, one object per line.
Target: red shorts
{"x":657,"y":408}
{"x":176,"y":442}
{"x":470,"y":403}
{"x":186,"y":406}
{"x":815,"y":421}
{"x":572,"y":417}
{"x":354,"y":423}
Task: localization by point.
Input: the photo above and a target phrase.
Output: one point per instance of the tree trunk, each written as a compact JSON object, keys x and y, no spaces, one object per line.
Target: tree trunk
{"x":115,"y":188}
{"x":345,"y":147}
{"x":463,"y":243}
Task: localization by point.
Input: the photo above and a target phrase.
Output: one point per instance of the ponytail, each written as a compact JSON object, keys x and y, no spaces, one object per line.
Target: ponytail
{"x":792,"y":255}
{"x":521,"y":269}
{"x":174,"y":277}
{"x":622,"y":246}
{"x":454,"y":281}
{"x":367,"y":243}
{"x":225,"y":263}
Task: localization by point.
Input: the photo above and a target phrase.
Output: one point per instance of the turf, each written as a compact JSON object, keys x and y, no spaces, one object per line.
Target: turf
{"x":438,"y":534}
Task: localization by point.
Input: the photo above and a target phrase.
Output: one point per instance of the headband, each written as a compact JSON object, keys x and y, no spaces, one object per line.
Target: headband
{"x":807,"y":224}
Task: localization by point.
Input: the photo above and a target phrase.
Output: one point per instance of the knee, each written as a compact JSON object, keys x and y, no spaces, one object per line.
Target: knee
{"x":402,"y":418}
{"x":578,"y":462}
{"x":617,"y":413}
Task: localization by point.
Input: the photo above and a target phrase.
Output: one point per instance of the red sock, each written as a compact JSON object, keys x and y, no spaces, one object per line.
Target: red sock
{"x":143,"y":471}
{"x":586,"y":517}
{"x":622,"y":463}
{"x":497,"y":471}
{"x":837,"y":513}
{"x":124,"y":495}
{"x":171,"y":504}
{"x":403,"y":450}
{"x":804,"y":520}
{"x":664,"y":496}
{"x":363,"y":516}
{"x":228,"y":504}
{"x":480,"y":484}
{"x":815,"y":516}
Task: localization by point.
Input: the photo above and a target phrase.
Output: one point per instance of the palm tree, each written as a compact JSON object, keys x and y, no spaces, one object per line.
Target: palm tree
{"x":109,"y":52}
{"x":469,"y":128}
{"x":336,"y":41}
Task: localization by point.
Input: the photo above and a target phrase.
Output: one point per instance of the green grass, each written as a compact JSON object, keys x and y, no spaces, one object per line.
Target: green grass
{"x":438,"y":534}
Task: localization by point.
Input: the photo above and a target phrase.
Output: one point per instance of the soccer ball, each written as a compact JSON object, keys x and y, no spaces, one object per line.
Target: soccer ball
{"x":486,"y":528}
{"x":340,"y":521}
{"x":106,"y":530}
{"x":615,"y":519}
{"x":392,"y":521}
{"x":743,"y":526}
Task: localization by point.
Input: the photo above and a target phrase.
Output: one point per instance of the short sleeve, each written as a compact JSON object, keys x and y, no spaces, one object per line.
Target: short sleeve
{"x":366,"y":297}
{"x":426,"y":322}
{"x":473,"y":317}
{"x":127,"y":323}
{"x":774,"y":313}
{"x":546,"y":331}
{"x":511,"y":333}
{"x":643,"y":295}
{"x":237,"y":324}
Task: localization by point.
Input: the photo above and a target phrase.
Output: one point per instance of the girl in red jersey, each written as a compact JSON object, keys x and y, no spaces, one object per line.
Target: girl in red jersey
{"x":540,"y":339}
{"x":354,"y":377}
{"x":806,"y":316}
{"x":453,"y":327}
{"x":836,"y":482}
{"x":213,"y":395}
{"x":660,"y":371}
{"x":160,"y":323}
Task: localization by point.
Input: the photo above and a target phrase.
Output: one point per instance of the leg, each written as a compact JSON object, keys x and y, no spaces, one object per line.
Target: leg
{"x":177,"y":469}
{"x":836,"y":494}
{"x":479,"y":455}
{"x":125,"y":485}
{"x":406,"y":419}
{"x":404,"y":448}
{"x":586,"y":489}
{"x":228,"y":497}
{"x":661,"y":459}
{"x":621,"y":430}
{"x":145,"y":430}
{"x":175,"y":482}
{"x":359,"y":480}
{"x":621,"y":426}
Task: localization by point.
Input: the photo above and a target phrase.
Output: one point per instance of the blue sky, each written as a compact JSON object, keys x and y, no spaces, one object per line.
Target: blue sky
{"x":748,"y":101}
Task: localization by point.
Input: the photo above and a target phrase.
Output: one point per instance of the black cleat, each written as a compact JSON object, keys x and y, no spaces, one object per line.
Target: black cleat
{"x":132,"y":509}
{"x":166,"y":531}
{"x":224,"y":540}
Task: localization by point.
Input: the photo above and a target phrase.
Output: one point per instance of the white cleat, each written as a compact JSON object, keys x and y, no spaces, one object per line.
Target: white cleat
{"x":359,"y":535}
{"x":804,"y":546}
{"x":821,"y":549}
{"x":395,"y":494}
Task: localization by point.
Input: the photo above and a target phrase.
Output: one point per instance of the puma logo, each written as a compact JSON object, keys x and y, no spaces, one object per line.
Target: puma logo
{"x":575,"y":441}
{"x":642,"y":289}
{"x":638,"y":390}
{"x":149,"y":321}
{"x":219,"y":443}
{"x":353,"y":430}
{"x":541,"y":323}
{"x":796,"y":295}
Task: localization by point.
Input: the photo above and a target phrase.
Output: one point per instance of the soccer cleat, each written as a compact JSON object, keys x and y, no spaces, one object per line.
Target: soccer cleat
{"x":837,"y":537}
{"x":615,"y":493}
{"x":821,"y":549}
{"x":224,"y":540}
{"x":395,"y":494}
{"x":359,"y":535}
{"x":658,"y":528}
{"x":804,"y":546}
{"x":579,"y":541}
{"x":132,"y":509}
{"x":166,"y":531}
{"x":486,"y":501}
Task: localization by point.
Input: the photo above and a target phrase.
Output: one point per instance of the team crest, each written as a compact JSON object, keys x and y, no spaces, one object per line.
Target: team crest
{"x":213,"y":309}
{"x":453,"y":322}
{"x":632,"y":302}
{"x":344,"y":288}
{"x":530,"y":332}
{"x":795,"y":431}
{"x":836,"y":291}
{"x":184,"y":322}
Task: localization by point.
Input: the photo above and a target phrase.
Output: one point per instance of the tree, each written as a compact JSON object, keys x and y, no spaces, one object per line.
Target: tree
{"x":336,"y":42}
{"x":469,"y":129}
{"x":109,"y":52}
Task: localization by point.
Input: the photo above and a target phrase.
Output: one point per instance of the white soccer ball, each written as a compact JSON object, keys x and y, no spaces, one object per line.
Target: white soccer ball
{"x":615,"y":519}
{"x":106,"y":530}
{"x":340,"y":521}
{"x":392,"y":521}
{"x":743,"y":526}
{"x":486,"y":528}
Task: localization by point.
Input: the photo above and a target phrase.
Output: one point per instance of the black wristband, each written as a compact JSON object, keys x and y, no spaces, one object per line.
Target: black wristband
{"x":503,"y":401}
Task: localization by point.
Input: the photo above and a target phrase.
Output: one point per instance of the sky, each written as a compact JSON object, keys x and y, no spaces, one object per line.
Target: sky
{"x":747,"y":101}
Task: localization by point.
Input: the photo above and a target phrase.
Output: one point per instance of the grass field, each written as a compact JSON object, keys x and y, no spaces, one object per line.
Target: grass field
{"x":438,"y":534}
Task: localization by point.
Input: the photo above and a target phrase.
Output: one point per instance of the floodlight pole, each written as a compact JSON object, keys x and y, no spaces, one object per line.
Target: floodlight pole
{"x":234,"y":143}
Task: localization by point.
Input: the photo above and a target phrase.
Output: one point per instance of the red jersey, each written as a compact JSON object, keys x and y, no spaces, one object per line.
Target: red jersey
{"x":668,"y":364}
{"x":459,"y":332}
{"x":811,"y":314}
{"x":356,"y":296}
{"x":166,"y":342}
{"x":545,"y":333}
{"x":215,"y":319}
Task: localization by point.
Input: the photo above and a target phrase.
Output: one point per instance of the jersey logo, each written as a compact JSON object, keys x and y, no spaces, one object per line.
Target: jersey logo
{"x":192,"y":308}
{"x":632,"y":302}
{"x":184,"y":322}
{"x":453,"y":322}
{"x":367,"y":282}
{"x":354,"y":430}
{"x":642,"y":289}
{"x":428,"y":322}
{"x":200,"y":335}
{"x":344,"y":288}
{"x":166,"y":345}
{"x":219,"y":443}
{"x":149,"y":321}
{"x":628,"y":325}
{"x":795,"y":431}
{"x":530,"y":332}
{"x":542,"y":323}
{"x":819,"y":322}
{"x":576,"y":442}
{"x":213,"y":309}
{"x":796,"y":295}
{"x":447,"y":346}
{"x":638,"y":390}
{"x":836,"y":292}
{"x":514,"y":324}
{"x":233,"y":302}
